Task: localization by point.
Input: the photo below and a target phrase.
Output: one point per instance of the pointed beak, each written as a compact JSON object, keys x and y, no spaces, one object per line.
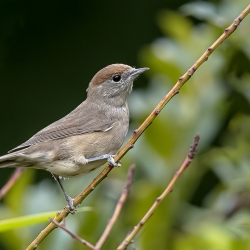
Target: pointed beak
{"x":134,"y":73}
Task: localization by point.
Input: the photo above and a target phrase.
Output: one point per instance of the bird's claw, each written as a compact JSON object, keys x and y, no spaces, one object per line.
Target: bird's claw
{"x":112,"y":162}
{"x":70,"y":202}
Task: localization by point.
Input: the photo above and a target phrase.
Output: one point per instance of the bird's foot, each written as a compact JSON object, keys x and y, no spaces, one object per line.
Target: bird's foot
{"x":70,"y":202}
{"x":112,"y":162}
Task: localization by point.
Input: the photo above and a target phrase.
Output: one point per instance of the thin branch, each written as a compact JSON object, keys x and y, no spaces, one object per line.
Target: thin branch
{"x":73,"y":235}
{"x":157,"y":202}
{"x":112,"y":220}
{"x":117,"y":209}
{"x":137,"y":133}
{"x":14,"y":177}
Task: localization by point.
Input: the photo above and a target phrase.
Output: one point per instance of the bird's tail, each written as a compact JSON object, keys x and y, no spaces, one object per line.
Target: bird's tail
{"x":20,"y":159}
{"x":12,"y":160}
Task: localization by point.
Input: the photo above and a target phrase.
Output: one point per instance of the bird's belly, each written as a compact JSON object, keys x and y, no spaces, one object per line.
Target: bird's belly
{"x":66,"y":168}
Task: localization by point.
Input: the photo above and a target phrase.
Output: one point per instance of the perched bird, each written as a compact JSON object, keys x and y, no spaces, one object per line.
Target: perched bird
{"x":88,"y":136}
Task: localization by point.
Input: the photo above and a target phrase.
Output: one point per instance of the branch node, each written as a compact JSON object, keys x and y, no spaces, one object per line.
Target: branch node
{"x":176,"y":91}
{"x":141,"y":223}
{"x":157,"y":112}
{"x":135,"y":132}
{"x":158,"y":199}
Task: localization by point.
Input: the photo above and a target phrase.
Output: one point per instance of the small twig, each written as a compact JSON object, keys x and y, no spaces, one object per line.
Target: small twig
{"x":157,"y":202}
{"x":117,"y":209}
{"x":11,"y":182}
{"x":112,"y":220}
{"x":137,"y":133}
{"x":73,"y":235}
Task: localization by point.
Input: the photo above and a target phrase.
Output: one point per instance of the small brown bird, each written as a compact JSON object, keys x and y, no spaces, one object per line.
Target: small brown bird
{"x":88,"y":136}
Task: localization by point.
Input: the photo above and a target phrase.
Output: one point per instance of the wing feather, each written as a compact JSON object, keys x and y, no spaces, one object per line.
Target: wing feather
{"x":82,"y":120}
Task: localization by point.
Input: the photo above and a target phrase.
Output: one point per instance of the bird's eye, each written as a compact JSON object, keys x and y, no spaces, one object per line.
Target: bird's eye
{"x":116,"y":78}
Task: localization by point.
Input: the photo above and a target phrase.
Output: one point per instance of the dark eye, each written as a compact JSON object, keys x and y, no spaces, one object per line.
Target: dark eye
{"x":116,"y":78}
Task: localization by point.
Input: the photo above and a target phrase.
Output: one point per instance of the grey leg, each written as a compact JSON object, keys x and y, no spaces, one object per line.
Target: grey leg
{"x":109,"y":158}
{"x":67,"y":197}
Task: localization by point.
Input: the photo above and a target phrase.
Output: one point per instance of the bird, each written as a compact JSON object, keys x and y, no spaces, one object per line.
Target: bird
{"x":88,"y":136}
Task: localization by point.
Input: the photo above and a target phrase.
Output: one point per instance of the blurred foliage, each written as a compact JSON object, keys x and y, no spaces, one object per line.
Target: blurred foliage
{"x":210,"y":205}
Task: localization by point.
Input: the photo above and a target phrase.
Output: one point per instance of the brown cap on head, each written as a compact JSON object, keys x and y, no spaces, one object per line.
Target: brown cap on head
{"x":108,"y":72}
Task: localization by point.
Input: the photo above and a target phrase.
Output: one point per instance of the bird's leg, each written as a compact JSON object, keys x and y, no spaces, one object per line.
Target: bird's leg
{"x":67,"y":197}
{"x":109,"y":158}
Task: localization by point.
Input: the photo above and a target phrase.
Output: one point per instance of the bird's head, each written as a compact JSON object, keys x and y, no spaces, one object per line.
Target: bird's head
{"x":113,"y":83}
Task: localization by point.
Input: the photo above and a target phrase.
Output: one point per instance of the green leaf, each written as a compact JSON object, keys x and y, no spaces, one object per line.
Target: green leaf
{"x":29,"y":220}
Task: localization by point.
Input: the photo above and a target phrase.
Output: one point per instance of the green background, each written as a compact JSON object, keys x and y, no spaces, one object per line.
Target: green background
{"x":49,"y":51}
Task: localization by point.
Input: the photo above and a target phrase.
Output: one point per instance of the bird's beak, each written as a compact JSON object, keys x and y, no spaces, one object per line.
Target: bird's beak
{"x":134,"y":73}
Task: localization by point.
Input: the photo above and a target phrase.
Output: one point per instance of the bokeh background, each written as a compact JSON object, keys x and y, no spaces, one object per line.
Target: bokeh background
{"x":49,"y":51}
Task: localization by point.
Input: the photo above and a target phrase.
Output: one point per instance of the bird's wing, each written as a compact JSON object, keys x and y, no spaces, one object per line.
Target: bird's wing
{"x":79,"y":121}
